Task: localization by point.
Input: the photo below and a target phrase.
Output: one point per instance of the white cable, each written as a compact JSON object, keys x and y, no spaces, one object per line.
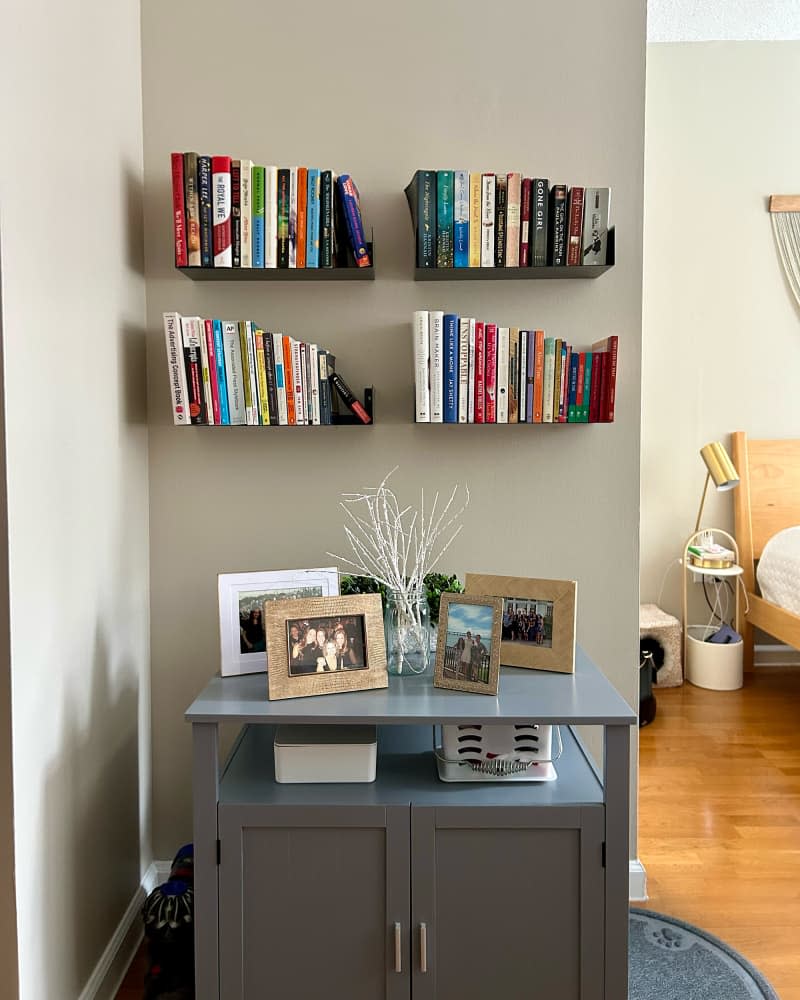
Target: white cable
{"x":664,"y":579}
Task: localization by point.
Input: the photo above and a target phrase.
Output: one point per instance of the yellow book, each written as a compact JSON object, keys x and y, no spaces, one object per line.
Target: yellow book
{"x":261,"y":371}
{"x":474,"y":220}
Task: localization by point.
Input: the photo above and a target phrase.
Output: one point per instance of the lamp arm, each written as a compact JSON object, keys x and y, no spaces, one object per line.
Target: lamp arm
{"x":702,"y":501}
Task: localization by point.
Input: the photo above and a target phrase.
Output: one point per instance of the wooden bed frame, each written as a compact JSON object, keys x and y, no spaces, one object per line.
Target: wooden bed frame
{"x":767,"y":501}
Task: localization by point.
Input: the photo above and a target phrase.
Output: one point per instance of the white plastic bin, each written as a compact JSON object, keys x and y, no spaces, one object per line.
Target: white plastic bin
{"x":713,"y":665}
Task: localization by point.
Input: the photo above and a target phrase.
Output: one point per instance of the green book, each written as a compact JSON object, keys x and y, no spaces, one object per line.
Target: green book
{"x":258,"y":216}
{"x":587,"y":388}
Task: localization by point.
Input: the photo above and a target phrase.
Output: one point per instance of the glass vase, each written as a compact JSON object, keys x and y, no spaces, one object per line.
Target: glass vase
{"x":407,"y":628}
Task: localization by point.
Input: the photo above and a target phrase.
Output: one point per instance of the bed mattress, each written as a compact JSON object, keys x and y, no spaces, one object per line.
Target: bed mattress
{"x":778,"y":572}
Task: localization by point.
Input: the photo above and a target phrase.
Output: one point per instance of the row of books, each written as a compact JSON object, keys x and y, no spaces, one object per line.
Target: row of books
{"x":471,"y":371}
{"x":234,"y":372}
{"x":464,"y":219}
{"x":234,"y":213}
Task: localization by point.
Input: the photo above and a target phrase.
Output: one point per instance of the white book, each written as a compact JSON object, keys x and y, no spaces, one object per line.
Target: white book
{"x":250,"y":342}
{"x":436,"y":337}
{"x":548,"y":374}
{"x":524,"y":416}
{"x":270,"y":216}
{"x":487,"y":220}
{"x":471,"y":375}
{"x":304,"y":380}
{"x":221,"y":187}
{"x":176,"y":368}
{"x":293,"y":217}
{"x":513,"y":206}
{"x":422,"y":354}
{"x":246,"y":210}
{"x":296,"y":376}
{"x":280,"y":378}
{"x":313,"y":364}
{"x":502,"y":375}
{"x":198,"y":328}
{"x":463,"y":370}
{"x":233,"y":372}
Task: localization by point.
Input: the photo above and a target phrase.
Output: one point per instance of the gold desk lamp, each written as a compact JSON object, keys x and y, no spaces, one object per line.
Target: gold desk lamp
{"x":720,"y":470}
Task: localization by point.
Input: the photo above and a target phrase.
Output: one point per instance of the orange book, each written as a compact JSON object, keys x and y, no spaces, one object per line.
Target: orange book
{"x":538,"y":375}
{"x":291,"y":415}
{"x":302,"y":200}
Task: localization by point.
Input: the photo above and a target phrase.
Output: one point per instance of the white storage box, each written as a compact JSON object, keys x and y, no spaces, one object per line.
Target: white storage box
{"x":500,"y":752}
{"x":323,"y":754}
{"x":713,"y":665}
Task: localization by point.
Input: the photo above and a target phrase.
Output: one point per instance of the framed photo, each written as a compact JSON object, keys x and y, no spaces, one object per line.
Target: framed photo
{"x":325,"y":645}
{"x":242,"y":637}
{"x":538,"y":625}
{"x":468,"y":648}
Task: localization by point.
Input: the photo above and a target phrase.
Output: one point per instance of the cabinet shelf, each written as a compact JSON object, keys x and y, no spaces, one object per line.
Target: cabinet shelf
{"x":348,"y":273}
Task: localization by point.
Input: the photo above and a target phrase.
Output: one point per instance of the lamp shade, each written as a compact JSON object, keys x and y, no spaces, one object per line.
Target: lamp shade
{"x":721,"y":469}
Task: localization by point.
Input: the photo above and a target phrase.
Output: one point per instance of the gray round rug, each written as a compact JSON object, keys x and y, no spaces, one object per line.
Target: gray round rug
{"x":672,"y":960}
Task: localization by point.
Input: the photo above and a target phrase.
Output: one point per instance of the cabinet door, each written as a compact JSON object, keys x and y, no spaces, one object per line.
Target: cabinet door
{"x":309,"y":900}
{"x":507,"y":903}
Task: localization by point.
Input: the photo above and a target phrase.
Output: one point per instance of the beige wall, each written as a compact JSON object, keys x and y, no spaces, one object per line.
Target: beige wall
{"x":73,"y":317}
{"x":721,"y":329}
{"x":354,"y":87}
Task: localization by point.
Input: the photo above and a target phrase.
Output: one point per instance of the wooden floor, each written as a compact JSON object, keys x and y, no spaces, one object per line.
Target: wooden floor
{"x":719,"y":816}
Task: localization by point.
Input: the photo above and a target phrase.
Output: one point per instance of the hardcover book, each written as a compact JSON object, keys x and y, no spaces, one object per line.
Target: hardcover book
{"x":351,"y":207}
{"x":236,"y":212}
{"x":204,"y":190}
{"x":313,"y":384}
{"x":326,"y":219}
{"x":192,"y":359}
{"x":525,"y":223}
{"x":324,"y":389}
{"x":450,"y":339}
{"x":297,"y":382}
{"x":444,"y":218}
{"x":463,"y":370}
{"x":436,"y":330}
{"x":261,"y":377}
{"x":221,"y":182}
{"x":176,"y":368}
{"x":500,"y":200}
{"x":490,"y":377}
{"x":524,"y":409}
{"x":487,"y":219}
{"x":179,"y":211}
{"x":213,"y":377}
{"x":312,"y":213}
{"x":538,"y":376}
{"x":547,"y":379}
{"x":246,"y":211}
{"x":291,"y":217}
{"x":258,"y":216}
{"x":480,"y":373}
{"x":222,"y":378}
{"x":513,"y":375}
{"x":283,"y":216}
{"x":269,"y":375}
{"x":572,"y":394}
{"x":539,"y":212}
{"x":249,"y":377}
{"x":557,"y":357}
{"x":422,"y":411}
{"x":233,"y":372}
{"x":461,"y":233}
{"x":594,"y":388}
{"x":288,"y":380}
{"x":471,"y":375}
{"x":422,"y":199}
{"x":557,"y":250}
{"x":596,"y":215}
{"x":192,"y":202}
{"x":575,"y":235}
{"x":474,"y":221}
{"x":513,"y":212}
{"x":302,"y":215}
{"x":280,"y":379}
{"x":270,"y":216}
{"x":502,"y":374}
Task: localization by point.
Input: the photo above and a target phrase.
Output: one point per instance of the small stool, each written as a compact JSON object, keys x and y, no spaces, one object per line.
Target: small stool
{"x":666,"y":630}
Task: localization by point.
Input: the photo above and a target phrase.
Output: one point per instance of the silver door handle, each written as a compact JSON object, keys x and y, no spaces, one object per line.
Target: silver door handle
{"x":398,"y":948}
{"x":423,"y":947}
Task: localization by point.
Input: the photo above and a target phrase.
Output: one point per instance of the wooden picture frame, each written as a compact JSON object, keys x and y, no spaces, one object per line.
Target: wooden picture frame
{"x":298,"y":671}
{"x":466,"y":664}
{"x":553,"y":648}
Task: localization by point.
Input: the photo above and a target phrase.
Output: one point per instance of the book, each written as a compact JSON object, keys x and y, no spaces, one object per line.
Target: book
{"x":258,"y":245}
{"x":450,"y":347}
{"x":557,"y":244}
{"x":580,"y":387}
{"x":594,"y":387}
{"x":281,"y":395}
{"x":307,"y":405}
{"x":192,"y":205}
{"x":348,"y":398}
{"x":540,"y":222}
{"x":474,"y":221}
{"x":444,"y":218}
{"x":556,"y":378}
{"x":179,"y":211}
{"x":421,"y":347}
{"x":334,"y":396}
{"x":500,"y":201}
{"x":283,"y":217}
{"x":298,"y":387}
{"x":596,"y":214}
{"x":575,"y":226}
{"x":563,"y":399}
{"x":513,"y":375}
{"x":461,"y":218}
{"x":421,"y":196}
{"x":324,"y":389}
{"x":261,"y":376}
{"x":538,"y":377}
{"x":436,"y":377}
{"x":513,"y":211}
{"x":525,"y":223}
{"x":271,"y":402}
{"x":313,"y":382}
{"x":249,"y":386}
{"x":351,"y":206}
{"x":572,"y":392}
{"x":487,"y":219}
{"x":608,"y":387}
{"x":288,"y":380}
{"x":270,"y":216}
{"x":233,"y":372}
{"x":236,"y":212}
{"x":463,"y":370}
{"x":192,"y":360}
{"x":326,"y":219}
{"x":200,"y":328}
{"x":204,"y":193}
{"x":490,"y":377}
{"x":213,"y":377}
{"x":176,"y":369}
{"x":502,"y":374}
{"x":480,"y":373}
{"x":222,"y":378}
{"x":312,"y":217}
{"x":471,"y":375}
{"x":532,"y":405}
{"x":292,"y":217}
{"x":302,"y":216}
{"x":548,"y":373}
{"x":221,"y":183}
{"x":246,"y":211}
{"x":524,"y":409}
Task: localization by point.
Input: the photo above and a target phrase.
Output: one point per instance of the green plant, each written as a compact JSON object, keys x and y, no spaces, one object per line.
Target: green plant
{"x":437,"y":584}
{"x":362,"y":585}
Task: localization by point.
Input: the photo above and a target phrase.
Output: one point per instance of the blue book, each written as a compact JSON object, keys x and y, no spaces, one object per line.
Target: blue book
{"x":572,"y":395}
{"x":461,"y":218}
{"x":312,"y":218}
{"x":222,"y":381}
{"x":530,"y":375}
{"x":444,"y":218}
{"x":450,"y":341}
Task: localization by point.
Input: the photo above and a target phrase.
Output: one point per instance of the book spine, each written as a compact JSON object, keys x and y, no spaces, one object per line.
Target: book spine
{"x":213,"y":376}
{"x":236,"y":212}
{"x":283,"y":217}
{"x":513,"y":212}
{"x":524,"y":408}
{"x":312,"y":214}
{"x":297,"y":384}
{"x":208,"y":402}
{"x":261,"y":377}
{"x":222,"y":378}
{"x":563,"y":394}
{"x":334,"y":396}
{"x":461,"y":218}
{"x":538,"y":376}
{"x":525,"y":223}
{"x":422,"y":410}
{"x":463,"y":370}
{"x":502,"y":374}
{"x":281,"y":394}
{"x":547,"y":380}
{"x":487,"y":219}
{"x":192,"y":360}
{"x":292,"y":217}
{"x":471,"y":376}
{"x":580,"y":387}
{"x":611,"y":364}
{"x":490,"y":378}
{"x":480,"y":373}
{"x":444,"y":218}
{"x":270,"y":403}
{"x":572,"y":414}
{"x":513,"y":375}
{"x":346,"y":394}
{"x":192,"y":205}
{"x":326,"y":219}
{"x":270,"y":216}
{"x":313,"y":378}
{"x":176,"y":369}
{"x":246,"y":211}
{"x":355,"y":226}
{"x":248,"y":347}
{"x":594,"y":387}
{"x":288,"y":380}
{"x":233,"y":371}
{"x":247,"y":389}
{"x":436,"y":330}
{"x":258,"y":216}
{"x":324,"y":389}
{"x":596,"y":207}
{"x":575,"y":237}
{"x":557,"y":251}
{"x":302,"y":216}
{"x":556,"y":377}
{"x":539,"y":212}
{"x":500,"y":203}
{"x":204,"y":193}
{"x":179,"y":211}
{"x":310,"y":383}
{"x":475,"y":220}
{"x":221,"y":184}
{"x":450,"y":336}
{"x":306,"y":383}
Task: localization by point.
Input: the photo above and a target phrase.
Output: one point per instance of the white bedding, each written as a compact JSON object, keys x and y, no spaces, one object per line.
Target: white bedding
{"x":778,"y":572}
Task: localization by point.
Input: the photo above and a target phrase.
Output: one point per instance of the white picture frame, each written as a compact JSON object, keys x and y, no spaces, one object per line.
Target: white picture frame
{"x":241,"y":591}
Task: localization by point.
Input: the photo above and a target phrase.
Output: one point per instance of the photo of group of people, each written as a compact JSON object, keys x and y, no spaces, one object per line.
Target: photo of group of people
{"x":325,"y":645}
{"x":468,"y":645}
{"x":528,"y":621}
{"x":252,"y":637}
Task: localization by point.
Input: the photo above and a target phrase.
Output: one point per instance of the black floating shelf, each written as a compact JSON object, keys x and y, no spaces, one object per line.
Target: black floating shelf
{"x":517,"y":273}
{"x":349,"y":273}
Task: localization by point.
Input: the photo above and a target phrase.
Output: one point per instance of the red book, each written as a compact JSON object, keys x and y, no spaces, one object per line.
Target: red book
{"x":598,"y":367}
{"x":179,"y":211}
{"x":302,"y":212}
{"x":221,"y":206}
{"x":575,"y":226}
{"x":525,"y":224}
{"x":480,"y":374}
{"x":490,"y":405}
{"x":212,"y":370}
{"x":611,"y":377}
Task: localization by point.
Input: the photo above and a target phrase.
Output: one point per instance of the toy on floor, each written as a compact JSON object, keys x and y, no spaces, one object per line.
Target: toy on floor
{"x":169,"y":929}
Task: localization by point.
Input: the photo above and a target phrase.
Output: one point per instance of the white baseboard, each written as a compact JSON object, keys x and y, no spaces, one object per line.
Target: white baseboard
{"x":776,"y":655}
{"x":637,"y":882}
